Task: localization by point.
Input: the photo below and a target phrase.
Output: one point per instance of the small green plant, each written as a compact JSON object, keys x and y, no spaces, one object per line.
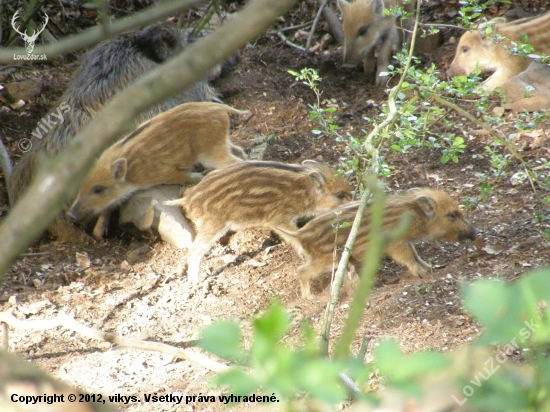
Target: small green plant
{"x":515,"y":317}
{"x":311,"y":79}
{"x":275,"y":368}
{"x":455,"y":146}
{"x":326,"y":127}
{"x":323,"y":117}
{"x":498,"y":160}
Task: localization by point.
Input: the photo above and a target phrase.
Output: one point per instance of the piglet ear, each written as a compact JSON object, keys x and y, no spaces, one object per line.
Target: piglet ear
{"x":378,"y":6}
{"x":311,"y":163}
{"x":497,"y":20}
{"x":343,"y":5}
{"x":317,"y":181}
{"x":118,"y":169}
{"x":427,"y":205}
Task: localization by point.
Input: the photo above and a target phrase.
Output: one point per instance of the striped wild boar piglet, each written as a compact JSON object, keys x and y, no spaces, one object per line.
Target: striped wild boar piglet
{"x":435,"y":216}
{"x":257,"y":195}
{"x":162,"y":150}
{"x":105,"y":71}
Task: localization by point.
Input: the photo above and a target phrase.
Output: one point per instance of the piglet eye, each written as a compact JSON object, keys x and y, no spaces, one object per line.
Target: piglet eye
{"x":363,"y":30}
{"x":342,"y":195}
{"x":453,"y":216}
{"x":98,"y":190}
{"x":465,"y":49}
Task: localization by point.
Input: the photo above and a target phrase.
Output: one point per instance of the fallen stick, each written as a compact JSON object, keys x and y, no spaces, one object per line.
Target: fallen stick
{"x":68,"y":322}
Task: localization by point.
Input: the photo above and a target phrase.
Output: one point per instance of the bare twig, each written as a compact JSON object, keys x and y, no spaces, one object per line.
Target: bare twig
{"x":288,"y":42}
{"x":333,"y":22}
{"x":5,"y":334}
{"x":491,"y":132}
{"x":212,"y":9}
{"x":449,"y":26}
{"x":378,"y":239}
{"x":68,"y":322}
{"x":5,"y":168}
{"x":364,"y":346}
{"x":290,"y":28}
{"x":315,"y":21}
{"x":352,"y":388}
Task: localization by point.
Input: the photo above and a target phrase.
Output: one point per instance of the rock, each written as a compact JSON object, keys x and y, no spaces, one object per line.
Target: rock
{"x":137,"y":255}
{"x":146,"y":212}
{"x":25,"y":90}
{"x":518,"y":98}
{"x":258,"y":146}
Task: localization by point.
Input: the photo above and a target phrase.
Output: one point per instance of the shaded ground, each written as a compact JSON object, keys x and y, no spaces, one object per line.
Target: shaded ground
{"x":135,"y":288}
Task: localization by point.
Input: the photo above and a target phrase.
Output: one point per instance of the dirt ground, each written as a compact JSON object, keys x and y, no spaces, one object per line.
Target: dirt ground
{"x":134,"y":288}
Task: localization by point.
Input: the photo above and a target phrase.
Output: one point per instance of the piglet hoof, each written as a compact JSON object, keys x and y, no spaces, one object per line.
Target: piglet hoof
{"x":306,"y":294}
{"x":99,"y":232}
{"x":194,"y":178}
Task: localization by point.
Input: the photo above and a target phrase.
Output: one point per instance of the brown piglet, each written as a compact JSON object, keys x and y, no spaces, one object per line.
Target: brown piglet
{"x":257,"y":195}
{"x":162,"y":150}
{"x":368,"y":29}
{"x":435,"y":215}
{"x":495,"y":55}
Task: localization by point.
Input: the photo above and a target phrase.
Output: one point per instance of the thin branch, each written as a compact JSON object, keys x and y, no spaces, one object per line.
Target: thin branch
{"x":94,"y":35}
{"x":450,"y":26}
{"x":489,"y":130}
{"x":288,"y":42}
{"x":5,"y":334}
{"x":60,"y":177}
{"x":371,"y":148}
{"x":315,"y":21}
{"x":70,"y":323}
{"x":290,"y":28}
{"x":378,"y":239}
{"x":333,"y":22}
{"x":6,"y":168}
{"x":352,"y":388}
{"x":213,"y":8}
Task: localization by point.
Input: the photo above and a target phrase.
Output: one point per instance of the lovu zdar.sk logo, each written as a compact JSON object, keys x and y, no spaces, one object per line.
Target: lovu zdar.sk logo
{"x":29,"y":40}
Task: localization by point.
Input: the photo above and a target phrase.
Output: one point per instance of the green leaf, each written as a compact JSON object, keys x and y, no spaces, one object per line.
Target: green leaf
{"x":321,"y":380}
{"x":506,"y":390}
{"x":499,"y":307}
{"x":485,"y":189}
{"x":401,"y":369}
{"x":273,"y":324}
{"x":240,"y":382}
{"x":420,"y":364}
{"x":388,"y":357}
{"x":223,"y":339}
{"x":537,"y":282}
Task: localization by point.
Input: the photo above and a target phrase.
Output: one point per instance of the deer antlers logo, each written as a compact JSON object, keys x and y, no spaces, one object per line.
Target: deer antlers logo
{"x":29,"y":40}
